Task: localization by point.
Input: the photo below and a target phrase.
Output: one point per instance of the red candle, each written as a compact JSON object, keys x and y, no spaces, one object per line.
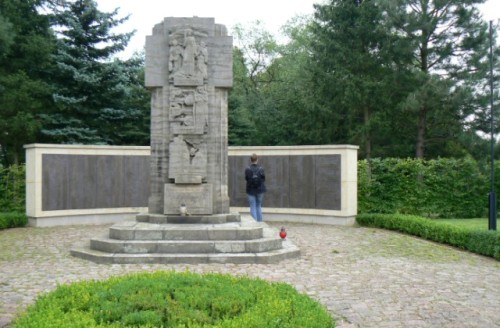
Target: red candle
{"x":283,"y":233}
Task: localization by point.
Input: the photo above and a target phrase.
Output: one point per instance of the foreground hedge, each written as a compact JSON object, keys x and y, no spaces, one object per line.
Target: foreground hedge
{"x":12,"y":220}
{"x":169,"y":299}
{"x":481,"y":242}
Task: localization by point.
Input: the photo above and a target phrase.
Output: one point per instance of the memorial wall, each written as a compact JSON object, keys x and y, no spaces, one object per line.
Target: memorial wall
{"x":81,"y":184}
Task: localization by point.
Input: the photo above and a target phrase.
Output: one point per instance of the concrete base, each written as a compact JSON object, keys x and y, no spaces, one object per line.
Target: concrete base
{"x":87,"y":219}
{"x":301,"y":216}
{"x":205,"y":239}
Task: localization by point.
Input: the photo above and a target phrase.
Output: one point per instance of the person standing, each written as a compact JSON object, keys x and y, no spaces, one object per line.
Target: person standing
{"x":255,"y":189}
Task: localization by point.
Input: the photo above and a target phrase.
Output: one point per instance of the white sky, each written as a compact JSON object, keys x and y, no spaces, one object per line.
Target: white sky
{"x":144,"y":14}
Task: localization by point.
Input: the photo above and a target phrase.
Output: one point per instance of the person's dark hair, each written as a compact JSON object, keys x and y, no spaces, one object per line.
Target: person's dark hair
{"x":254,"y":158}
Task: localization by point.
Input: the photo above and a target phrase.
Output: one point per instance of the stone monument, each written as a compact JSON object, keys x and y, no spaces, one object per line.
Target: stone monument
{"x":189,"y":72}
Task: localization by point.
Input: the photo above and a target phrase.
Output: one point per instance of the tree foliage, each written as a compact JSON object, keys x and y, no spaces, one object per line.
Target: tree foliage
{"x":448,"y":44}
{"x":89,"y":89}
{"x":355,"y":69}
{"x":26,"y":44}
{"x":400,"y":78}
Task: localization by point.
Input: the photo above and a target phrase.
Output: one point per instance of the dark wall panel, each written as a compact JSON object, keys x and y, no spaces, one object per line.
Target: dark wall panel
{"x":236,"y":178}
{"x":99,"y":181}
{"x":328,"y":183}
{"x":278,"y":188}
{"x":301,"y":181}
{"x":86,"y":181}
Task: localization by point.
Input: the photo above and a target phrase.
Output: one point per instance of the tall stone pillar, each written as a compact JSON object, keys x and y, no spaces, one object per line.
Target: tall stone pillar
{"x":189,"y":73}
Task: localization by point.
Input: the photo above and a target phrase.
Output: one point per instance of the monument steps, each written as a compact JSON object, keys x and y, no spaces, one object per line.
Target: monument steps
{"x":242,"y":240}
{"x":190,"y":258}
{"x":153,"y":231}
{"x":185,"y":246}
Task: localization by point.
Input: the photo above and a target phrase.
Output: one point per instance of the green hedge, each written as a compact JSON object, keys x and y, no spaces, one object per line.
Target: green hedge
{"x":444,"y":187}
{"x":481,"y":242}
{"x":12,"y":220}
{"x":170,"y":299}
{"x":12,"y":189}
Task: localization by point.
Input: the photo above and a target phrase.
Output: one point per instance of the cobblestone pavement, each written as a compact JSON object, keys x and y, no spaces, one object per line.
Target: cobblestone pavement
{"x":365,"y":277}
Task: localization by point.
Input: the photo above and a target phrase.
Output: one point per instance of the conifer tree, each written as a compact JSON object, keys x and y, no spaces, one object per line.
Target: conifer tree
{"x":91,"y":89}
{"x":448,"y":44}
{"x":26,"y":45}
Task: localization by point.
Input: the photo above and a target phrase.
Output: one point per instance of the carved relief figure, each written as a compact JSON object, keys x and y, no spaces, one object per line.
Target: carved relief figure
{"x":202,"y":60}
{"x":181,"y":106}
{"x":193,"y":148}
{"x":188,"y":57}
{"x":188,"y":64}
{"x":175,"y":57}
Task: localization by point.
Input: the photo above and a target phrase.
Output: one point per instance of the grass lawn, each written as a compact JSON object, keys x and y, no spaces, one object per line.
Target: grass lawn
{"x":472,"y":224}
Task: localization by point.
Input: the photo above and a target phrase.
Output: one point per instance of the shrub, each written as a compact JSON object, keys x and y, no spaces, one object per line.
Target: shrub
{"x":481,"y":242}
{"x":12,"y":220}
{"x":12,"y":188}
{"x":169,"y":299}
{"x":435,"y":188}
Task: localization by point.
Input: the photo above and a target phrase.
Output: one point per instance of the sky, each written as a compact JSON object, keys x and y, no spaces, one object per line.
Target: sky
{"x":144,"y":14}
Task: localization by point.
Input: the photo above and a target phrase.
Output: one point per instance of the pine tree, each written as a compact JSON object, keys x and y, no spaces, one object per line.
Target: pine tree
{"x":353,"y":67}
{"x":26,"y":44}
{"x":448,"y":44}
{"x":90,"y":89}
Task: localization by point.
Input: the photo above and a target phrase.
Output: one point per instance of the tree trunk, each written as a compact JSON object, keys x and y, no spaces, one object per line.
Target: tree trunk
{"x":368,"y":141}
{"x":368,"y":144}
{"x":422,"y":118}
{"x":15,"y":156}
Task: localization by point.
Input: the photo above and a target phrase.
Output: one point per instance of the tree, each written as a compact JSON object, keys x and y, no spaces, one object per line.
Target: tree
{"x":354,"y":69}
{"x":26,"y":44}
{"x":241,"y":126}
{"x":448,"y":45}
{"x":6,"y":35}
{"x":255,"y":51}
{"x":90,"y":89}
{"x":290,"y":96}
{"x":135,"y":126}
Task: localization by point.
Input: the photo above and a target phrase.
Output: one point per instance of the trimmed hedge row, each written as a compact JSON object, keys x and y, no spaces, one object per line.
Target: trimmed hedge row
{"x":12,"y":188}
{"x":12,"y":220}
{"x":481,"y":242}
{"x":446,"y":187}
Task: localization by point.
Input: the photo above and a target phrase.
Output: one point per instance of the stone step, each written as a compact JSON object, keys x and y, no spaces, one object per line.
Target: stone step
{"x":185,"y":246}
{"x":152,"y":231}
{"x":246,"y":241}
{"x":190,"y":219}
{"x":288,"y":251}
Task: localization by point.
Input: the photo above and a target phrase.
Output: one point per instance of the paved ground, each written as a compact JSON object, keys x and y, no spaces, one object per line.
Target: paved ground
{"x":364,"y":277}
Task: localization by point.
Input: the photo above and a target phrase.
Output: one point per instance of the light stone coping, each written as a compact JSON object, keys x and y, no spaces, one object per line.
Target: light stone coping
{"x":291,"y":150}
{"x":76,"y":218}
{"x":303,"y":215}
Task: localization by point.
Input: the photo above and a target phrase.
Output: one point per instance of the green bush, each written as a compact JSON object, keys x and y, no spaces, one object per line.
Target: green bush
{"x":481,"y":242}
{"x":12,"y":220}
{"x":169,"y":299}
{"x":436,"y":188}
{"x":12,"y":188}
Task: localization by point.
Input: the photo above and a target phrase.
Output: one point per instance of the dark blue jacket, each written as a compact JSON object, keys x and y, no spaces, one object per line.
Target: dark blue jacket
{"x":248,"y":176}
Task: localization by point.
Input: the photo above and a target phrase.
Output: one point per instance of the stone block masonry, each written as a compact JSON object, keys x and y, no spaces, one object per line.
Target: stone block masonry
{"x":189,"y":73}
